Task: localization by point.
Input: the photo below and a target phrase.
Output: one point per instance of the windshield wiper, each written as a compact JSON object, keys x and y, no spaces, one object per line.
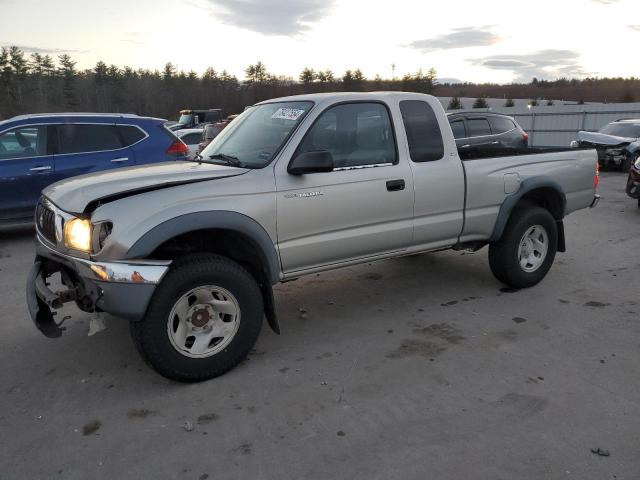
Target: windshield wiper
{"x":228,"y":159}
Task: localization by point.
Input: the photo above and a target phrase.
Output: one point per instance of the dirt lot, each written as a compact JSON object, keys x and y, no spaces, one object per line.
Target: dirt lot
{"x":413,"y":368}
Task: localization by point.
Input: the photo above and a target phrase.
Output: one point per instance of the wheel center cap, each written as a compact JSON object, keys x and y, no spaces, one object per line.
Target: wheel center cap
{"x":200,"y":317}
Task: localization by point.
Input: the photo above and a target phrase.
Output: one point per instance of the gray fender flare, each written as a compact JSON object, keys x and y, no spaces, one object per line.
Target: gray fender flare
{"x":220,"y":219}
{"x":226,"y":220}
{"x":510,"y":202}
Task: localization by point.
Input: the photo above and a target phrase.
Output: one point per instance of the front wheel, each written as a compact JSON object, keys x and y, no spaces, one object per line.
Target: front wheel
{"x":627,"y":161}
{"x":203,"y":319}
{"x":525,"y":253}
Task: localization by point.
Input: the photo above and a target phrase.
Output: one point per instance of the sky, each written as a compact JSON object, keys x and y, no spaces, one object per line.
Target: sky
{"x":469,"y":40}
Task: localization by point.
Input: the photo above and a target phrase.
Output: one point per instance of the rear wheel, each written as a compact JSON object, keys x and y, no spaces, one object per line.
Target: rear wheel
{"x":525,"y":253}
{"x":203,"y":319}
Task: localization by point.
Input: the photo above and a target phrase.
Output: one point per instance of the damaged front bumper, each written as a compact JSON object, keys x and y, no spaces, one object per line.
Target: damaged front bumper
{"x":122,"y":289}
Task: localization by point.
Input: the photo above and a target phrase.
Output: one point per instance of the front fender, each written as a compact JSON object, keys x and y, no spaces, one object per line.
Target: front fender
{"x":217,"y":219}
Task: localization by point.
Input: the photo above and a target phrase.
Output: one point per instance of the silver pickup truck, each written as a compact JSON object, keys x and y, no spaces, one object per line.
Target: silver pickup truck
{"x":188,"y":251}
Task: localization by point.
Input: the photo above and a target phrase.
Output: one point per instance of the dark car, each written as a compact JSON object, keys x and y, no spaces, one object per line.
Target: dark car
{"x":37,"y":150}
{"x":617,"y":143}
{"x":633,"y":182}
{"x":483,"y":130}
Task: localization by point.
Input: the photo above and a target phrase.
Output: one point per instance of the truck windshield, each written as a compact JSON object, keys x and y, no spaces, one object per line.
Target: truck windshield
{"x":628,"y":130}
{"x":185,"y":119}
{"x":258,"y":134}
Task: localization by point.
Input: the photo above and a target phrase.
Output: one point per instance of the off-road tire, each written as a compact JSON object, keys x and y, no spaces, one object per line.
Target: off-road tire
{"x":503,"y":254}
{"x":150,"y":334}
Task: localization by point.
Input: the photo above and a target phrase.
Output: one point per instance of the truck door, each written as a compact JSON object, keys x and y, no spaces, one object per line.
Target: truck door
{"x":363,"y":208}
{"x":437,"y":174}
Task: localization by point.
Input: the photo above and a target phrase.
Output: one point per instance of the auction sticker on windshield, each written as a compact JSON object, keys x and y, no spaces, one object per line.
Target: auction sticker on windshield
{"x":287,"y":113}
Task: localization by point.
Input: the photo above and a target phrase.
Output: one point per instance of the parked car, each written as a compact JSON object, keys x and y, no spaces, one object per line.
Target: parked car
{"x":294,"y":186}
{"x":633,"y":182}
{"x":37,"y":150}
{"x":193,"y":118}
{"x":192,"y":137}
{"x":212,"y":130}
{"x":617,"y":143}
{"x":486,"y":131}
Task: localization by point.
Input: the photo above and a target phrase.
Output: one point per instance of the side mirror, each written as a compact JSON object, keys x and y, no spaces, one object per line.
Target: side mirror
{"x":311,"y":162}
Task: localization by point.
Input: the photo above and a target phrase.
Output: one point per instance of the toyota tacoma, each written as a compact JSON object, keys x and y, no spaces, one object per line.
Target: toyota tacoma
{"x":188,"y":252}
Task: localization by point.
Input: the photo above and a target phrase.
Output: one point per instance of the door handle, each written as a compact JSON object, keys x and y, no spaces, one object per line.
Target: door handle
{"x":395,"y":185}
{"x":120,"y":160}
{"x":495,"y":143}
{"x":41,"y":168}
{"x":466,"y":145}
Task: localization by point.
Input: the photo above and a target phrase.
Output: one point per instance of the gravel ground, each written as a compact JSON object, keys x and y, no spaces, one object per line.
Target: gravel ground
{"x":412,"y":368}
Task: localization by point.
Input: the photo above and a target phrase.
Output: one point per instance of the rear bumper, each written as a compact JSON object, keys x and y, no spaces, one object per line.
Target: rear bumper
{"x":119,"y":288}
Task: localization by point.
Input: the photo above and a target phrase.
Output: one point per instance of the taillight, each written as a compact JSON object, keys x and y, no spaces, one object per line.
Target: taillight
{"x":596,"y":178}
{"x":525,"y":137}
{"x":178,"y":147}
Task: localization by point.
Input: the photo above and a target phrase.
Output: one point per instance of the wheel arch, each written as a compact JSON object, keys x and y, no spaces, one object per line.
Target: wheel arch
{"x":542,"y":191}
{"x":231,"y":234}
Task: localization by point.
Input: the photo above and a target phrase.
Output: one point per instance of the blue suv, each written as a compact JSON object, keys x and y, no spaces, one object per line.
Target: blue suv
{"x":37,"y":150}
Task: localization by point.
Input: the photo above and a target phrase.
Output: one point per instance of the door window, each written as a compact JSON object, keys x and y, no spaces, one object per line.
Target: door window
{"x":24,"y":142}
{"x":423,"y":131}
{"x":191,"y":138}
{"x":478,"y":127}
{"x":356,"y":134}
{"x":79,"y":138}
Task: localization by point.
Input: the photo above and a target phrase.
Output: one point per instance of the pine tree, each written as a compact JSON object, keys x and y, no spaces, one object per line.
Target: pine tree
{"x":480,"y":102}
{"x":509,"y":103}
{"x":307,"y":76}
{"x":455,"y":104}
{"x":67,"y":71}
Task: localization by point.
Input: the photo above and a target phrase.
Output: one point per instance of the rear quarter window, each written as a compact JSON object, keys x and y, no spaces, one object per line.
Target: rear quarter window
{"x":423,"y":132}
{"x":130,"y":134}
{"x":500,"y":125}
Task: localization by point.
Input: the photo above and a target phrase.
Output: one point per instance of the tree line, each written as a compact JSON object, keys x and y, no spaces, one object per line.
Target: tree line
{"x":39,"y":83}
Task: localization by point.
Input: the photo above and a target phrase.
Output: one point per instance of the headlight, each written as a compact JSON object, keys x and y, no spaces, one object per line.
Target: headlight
{"x":77,"y":234}
{"x":637,"y":162}
{"x":574,"y":144}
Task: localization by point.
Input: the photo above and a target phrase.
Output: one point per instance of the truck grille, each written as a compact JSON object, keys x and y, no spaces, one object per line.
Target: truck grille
{"x":46,"y":222}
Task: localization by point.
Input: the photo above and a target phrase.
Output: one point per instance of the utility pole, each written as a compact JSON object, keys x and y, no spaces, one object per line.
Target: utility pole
{"x":393,"y":71}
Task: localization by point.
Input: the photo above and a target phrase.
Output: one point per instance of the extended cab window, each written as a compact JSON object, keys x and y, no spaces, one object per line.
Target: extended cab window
{"x":24,"y":142}
{"x":478,"y":127}
{"x":356,"y":134}
{"x":423,"y":131}
{"x":79,"y":138}
{"x":500,"y":125}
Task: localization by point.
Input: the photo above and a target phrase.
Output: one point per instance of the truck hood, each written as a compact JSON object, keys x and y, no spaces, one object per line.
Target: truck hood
{"x":78,"y":194}
{"x":603,"y":139}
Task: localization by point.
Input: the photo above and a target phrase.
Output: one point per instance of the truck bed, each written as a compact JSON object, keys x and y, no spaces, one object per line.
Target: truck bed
{"x":492,"y":178}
